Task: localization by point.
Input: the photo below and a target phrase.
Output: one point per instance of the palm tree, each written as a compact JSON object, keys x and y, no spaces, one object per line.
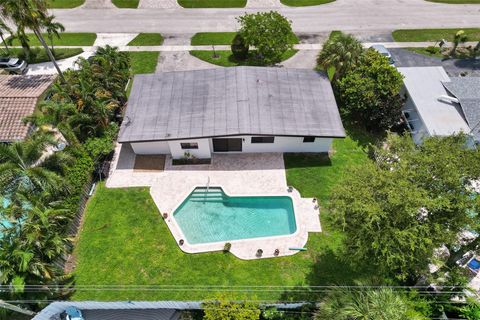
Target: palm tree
{"x":29,"y":14}
{"x":21,"y":169}
{"x":460,"y":37}
{"x":367,"y":304}
{"x":341,"y":52}
{"x":52,"y":28}
{"x":4,"y":29}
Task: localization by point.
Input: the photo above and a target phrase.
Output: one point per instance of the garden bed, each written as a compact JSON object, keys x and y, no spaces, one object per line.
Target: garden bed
{"x":183,"y":162}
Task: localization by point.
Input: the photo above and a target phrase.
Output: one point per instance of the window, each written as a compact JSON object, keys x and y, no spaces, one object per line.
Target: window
{"x":308,"y":139}
{"x":189,"y":145}
{"x":263,"y":139}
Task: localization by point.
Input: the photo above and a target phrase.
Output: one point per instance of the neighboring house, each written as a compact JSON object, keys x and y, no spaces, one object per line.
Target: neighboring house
{"x":438,"y":105}
{"x":241,"y":109}
{"x":19,"y":96}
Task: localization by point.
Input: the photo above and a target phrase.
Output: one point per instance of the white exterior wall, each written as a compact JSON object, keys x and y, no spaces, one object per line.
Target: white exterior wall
{"x":203,"y":151}
{"x":153,"y":147}
{"x":284,"y":144}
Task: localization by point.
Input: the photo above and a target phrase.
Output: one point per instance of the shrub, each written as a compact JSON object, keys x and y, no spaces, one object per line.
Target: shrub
{"x":78,"y":175}
{"x":239,"y":48}
{"x":227,"y":247}
{"x":100,"y":147}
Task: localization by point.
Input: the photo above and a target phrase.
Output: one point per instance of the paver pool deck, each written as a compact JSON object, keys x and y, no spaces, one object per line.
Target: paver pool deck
{"x":239,"y":175}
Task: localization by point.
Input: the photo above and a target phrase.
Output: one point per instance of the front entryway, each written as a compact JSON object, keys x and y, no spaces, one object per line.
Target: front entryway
{"x":227,"y":145}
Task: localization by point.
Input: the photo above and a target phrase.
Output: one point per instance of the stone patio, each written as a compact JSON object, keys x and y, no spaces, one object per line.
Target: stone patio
{"x":238,"y":174}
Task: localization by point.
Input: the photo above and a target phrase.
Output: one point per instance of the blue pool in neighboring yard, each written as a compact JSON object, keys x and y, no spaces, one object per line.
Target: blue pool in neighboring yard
{"x":214,"y":216}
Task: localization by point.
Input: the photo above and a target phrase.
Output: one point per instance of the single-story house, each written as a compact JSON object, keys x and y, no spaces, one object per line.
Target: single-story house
{"x":19,"y":96}
{"x":240,"y":109}
{"x":438,"y":105}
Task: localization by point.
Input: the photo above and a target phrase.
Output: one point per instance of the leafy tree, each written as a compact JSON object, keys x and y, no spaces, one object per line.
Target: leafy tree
{"x":29,"y":14}
{"x":370,"y":92}
{"x":269,"y":32}
{"x":341,"y":52}
{"x":370,"y":304}
{"x":52,"y":28}
{"x":239,"y":48}
{"x":396,"y":211}
{"x":223,"y":309}
{"x":472,"y":310}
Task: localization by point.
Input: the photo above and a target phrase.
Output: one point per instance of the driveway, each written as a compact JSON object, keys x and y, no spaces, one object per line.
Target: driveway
{"x":454,"y":67}
{"x":64,"y":64}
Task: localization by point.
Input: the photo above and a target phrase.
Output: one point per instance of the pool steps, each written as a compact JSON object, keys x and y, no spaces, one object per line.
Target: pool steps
{"x":208,"y":195}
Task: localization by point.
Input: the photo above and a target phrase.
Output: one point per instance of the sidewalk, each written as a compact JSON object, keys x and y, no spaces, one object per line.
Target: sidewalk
{"x":302,"y":46}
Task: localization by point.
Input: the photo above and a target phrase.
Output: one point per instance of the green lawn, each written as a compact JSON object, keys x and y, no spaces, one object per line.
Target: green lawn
{"x":419,"y":35}
{"x":147,"y":39}
{"x":303,"y":3}
{"x":66,"y":39}
{"x":144,"y":61}
{"x":425,"y":52}
{"x":64,"y":4}
{"x":125,"y":242}
{"x":456,"y":1}
{"x":226,"y":58}
{"x":223,"y":38}
{"x":132,"y":4}
{"x":212,"y":3}
{"x":41,"y":55}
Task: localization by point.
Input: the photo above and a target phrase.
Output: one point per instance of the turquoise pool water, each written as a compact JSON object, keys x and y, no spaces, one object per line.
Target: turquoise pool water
{"x":214,"y":216}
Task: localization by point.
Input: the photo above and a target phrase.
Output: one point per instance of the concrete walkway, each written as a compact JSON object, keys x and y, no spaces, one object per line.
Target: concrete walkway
{"x":159,"y":4}
{"x":264,"y":4}
{"x":98,"y":4}
{"x":114,"y":39}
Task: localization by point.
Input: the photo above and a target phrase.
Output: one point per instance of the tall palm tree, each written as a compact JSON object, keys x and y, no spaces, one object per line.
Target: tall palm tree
{"x":341,"y":52}
{"x":21,"y":170}
{"x":29,"y":14}
{"x":52,"y":28}
{"x":3,"y":30}
{"x":367,"y":304}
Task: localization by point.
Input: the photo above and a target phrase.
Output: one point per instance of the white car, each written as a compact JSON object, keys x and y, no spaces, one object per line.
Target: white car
{"x":384,"y":52}
{"x":13,"y":65}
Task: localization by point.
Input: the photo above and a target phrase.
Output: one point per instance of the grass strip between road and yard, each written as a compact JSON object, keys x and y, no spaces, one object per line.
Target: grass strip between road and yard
{"x":432,"y":35}
{"x":223,"y":38}
{"x":143,"y":61}
{"x":226,"y":58}
{"x":39,"y":55}
{"x":304,"y":3}
{"x":124,"y":241}
{"x":212,"y":3}
{"x":456,"y":1}
{"x":66,"y":39}
{"x":64,"y":4}
{"x":147,"y":39}
{"x":126,"y":4}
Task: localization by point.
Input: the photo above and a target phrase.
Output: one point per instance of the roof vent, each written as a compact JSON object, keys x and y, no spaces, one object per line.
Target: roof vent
{"x":446,"y":98}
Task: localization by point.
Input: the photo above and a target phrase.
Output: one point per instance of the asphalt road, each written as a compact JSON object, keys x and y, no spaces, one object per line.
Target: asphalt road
{"x":346,"y":15}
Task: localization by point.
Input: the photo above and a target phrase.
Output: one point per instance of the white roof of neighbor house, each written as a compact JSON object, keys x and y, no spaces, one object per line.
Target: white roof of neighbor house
{"x":424,"y":86}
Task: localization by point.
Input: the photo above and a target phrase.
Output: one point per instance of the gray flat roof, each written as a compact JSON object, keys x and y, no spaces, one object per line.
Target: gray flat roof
{"x":467,"y":91}
{"x":231,"y":101}
{"x":424,"y":86}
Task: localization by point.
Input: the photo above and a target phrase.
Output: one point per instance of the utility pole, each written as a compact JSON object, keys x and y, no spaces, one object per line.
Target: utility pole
{"x":12,"y":307}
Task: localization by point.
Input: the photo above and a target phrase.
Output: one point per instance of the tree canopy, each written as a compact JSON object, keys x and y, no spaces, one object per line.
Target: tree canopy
{"x":269,"y":32}
{"x":413,"y":199}
{"x":370,"y":92}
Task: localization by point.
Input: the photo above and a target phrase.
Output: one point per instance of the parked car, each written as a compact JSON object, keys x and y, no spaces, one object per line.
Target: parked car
{"x":72,"y":313}
{"x":13,"y":65}
{"x":384,"y":51}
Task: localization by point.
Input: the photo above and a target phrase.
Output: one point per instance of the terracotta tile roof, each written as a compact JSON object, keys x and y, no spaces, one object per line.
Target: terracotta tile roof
{"x":18,"y":98}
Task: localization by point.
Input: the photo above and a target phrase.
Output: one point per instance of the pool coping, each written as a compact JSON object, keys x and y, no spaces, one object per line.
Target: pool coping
{"x":246,"y":249}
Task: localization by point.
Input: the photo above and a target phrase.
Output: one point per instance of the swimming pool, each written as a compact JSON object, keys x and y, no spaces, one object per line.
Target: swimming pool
{"x":213,"y":216}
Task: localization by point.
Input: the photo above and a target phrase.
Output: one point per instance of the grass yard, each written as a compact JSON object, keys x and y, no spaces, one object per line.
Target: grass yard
{"x":144,"y":61}
{"x":126,"y":4}
{"x":40,"y":55}
{"x":304,"y":3}
{"x":425,"y":52}
{"x":226,"y":58}
{"x":64,"y":4}
{"x":212,"y":3}
{"x":124,"y":241}
{"x":147,"y":39}
{"x":420,"y":35}
{"x":66,"y":39}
